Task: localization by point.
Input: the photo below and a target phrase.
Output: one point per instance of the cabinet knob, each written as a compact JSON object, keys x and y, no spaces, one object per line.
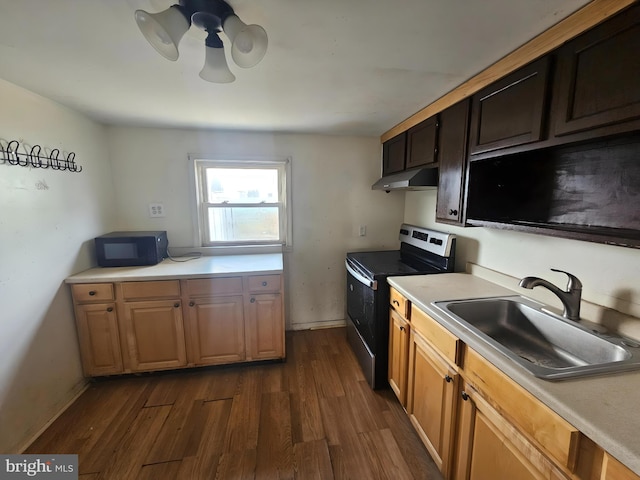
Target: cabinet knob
{"x":110,"y":309}
{"x":453,"y":212}
{"x":396,"y":303}
{"x":92,"y":293}
{"x":176,"y":305}
{"x":264,"y":284}
{"x":448,"y":378}
{"x":253,"y":300}
{"x":402,"y":329}
{"x":465,"y":395}
{"x":192,"y":304}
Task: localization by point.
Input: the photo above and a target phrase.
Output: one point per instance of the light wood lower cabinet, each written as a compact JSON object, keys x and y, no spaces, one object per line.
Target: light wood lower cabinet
{"x":155,"y":335}
{"x":99,"y":338}
{"x":398,"y":355}
{"x":216,"y":325}
{"x":215,"y":320}
{"x":264,"y":327}
{"x":141,"y":326}
{"x":474,"y":420}
{"x":490,"y":447}
{"x":431,"y":399}
{"x":612,"y":469}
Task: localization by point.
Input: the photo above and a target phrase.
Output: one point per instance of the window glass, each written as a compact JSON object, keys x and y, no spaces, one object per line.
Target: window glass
{"x":238,"y":224}
{"x":242,"y":202}
{"x":242,"y":185}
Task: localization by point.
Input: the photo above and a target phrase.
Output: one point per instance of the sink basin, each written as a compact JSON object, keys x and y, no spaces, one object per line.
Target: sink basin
{"x":547,"y":345}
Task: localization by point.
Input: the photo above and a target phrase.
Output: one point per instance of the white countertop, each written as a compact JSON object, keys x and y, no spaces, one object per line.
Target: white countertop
{"x":604,"y":408}
{"x":209,"y":266}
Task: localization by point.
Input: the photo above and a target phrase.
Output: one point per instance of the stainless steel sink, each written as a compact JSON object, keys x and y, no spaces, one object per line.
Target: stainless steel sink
{"x":547,"y":345}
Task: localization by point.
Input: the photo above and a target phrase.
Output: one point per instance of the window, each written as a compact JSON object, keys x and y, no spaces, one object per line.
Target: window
{"x":242,"y":202}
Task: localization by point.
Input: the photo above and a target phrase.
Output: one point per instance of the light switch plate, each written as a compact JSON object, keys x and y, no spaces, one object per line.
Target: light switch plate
{"x":156,"y":210}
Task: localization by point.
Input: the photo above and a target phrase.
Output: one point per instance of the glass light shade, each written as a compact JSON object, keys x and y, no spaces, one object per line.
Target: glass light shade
{"x":163,"y":30}
{"x":248,"y":42}
{"x":215,"y":67}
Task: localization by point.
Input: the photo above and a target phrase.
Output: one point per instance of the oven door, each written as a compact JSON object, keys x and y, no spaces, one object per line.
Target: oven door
{"x":361,"y":306}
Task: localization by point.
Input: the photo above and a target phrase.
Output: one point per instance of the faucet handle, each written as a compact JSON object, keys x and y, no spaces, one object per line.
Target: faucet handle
{"x":574,"y":283}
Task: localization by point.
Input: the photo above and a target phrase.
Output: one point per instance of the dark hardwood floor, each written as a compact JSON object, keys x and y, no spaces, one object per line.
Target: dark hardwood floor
{"x":311,"y":417}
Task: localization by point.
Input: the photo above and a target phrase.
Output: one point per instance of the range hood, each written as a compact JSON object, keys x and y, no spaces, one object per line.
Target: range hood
{"x":415,"y":179}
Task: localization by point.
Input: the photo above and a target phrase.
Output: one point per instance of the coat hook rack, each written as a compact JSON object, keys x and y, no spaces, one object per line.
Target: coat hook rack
{"x":34,"y":157}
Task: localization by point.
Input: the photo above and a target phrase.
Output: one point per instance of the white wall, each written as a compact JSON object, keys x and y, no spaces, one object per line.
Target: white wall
{"x":610,"y":274}
{"x":331,"y":199}
{"x":46,"y":219}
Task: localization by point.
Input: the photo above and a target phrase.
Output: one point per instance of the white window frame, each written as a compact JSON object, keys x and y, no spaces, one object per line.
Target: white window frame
{"x":198,"y":164}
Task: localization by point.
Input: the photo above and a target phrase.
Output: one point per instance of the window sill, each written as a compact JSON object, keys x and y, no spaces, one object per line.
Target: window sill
{"x":230,"y":250}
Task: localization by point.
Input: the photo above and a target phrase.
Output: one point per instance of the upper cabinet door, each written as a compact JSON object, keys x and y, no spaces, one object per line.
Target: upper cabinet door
{"x":511,"y":111}
{"x":394,"y":153}
{"x":597,"y":76}
{"x":421,"y":143}
{"x":452,"y":154}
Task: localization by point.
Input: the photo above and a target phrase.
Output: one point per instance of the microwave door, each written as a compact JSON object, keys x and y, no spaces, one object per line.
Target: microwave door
{"x":121,"y":251}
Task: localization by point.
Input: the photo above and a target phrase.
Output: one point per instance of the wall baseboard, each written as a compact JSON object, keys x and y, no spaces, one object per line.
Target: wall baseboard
{"x":78,"y":390}
{"x":318,"y":325}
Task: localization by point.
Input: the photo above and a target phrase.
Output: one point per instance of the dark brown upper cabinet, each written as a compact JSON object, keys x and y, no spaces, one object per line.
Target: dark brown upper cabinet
{"x":452,"y":159}
{"x":421,"y":143}
{"x":416,"y":147}
{"x":597,"y":80}
{"x":394,"y":153}
{"x":512,"y":110}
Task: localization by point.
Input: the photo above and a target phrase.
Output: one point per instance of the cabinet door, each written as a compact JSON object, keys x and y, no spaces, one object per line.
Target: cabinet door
{"x":490,"y":447}
{"x":99,"y":339}
{"x":452,"y":160}
{"x":597,"y":76}
{"x":216,"y":326}
{"x":393,"y":154}
{"x":431,"y":400}
{"x":155,"y":334}
{"x":511,"y":111}
{"x":265,"y":327}
{"x":421,"y":143}
{"x":398,"y":355}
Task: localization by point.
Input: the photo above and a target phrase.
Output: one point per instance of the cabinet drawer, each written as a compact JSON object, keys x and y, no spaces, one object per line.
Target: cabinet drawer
{"x":399,"y":303}
{"x":150,"y":290}
{"x":552,"y":433}
{"x":612,"y":469}
{"x":447,"y":343}
{"x":209,"y":287}
{"x":264,"y":283}
{"x":92,"y":292}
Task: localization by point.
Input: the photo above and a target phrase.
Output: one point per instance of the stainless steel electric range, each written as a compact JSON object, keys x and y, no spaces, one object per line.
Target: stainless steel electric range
{"x":422,"y":252}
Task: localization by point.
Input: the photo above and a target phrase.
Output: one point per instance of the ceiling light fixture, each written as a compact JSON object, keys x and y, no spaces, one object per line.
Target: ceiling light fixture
{"x":164,"y":30}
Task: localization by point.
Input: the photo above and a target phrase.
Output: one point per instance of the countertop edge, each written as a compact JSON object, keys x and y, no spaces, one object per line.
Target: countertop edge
{"x":541,"y":389}
{"x":204,"y":267}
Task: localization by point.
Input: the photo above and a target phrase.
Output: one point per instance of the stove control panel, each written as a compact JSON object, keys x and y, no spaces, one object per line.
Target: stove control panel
{"x":430,"y":240}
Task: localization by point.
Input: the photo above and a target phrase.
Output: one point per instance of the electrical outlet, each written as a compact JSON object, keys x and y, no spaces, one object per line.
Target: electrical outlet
{"x":156,"y":210}
{"x":363,"y":230}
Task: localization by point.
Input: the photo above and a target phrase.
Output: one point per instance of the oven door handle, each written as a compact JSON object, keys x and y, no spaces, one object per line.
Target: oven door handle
{"x":372,"y":284}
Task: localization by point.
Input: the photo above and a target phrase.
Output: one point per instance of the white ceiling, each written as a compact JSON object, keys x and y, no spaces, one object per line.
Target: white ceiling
{"x":333,"y":66}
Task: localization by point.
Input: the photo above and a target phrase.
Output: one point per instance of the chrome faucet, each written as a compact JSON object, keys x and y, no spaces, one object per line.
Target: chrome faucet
{"x":569,"y":298}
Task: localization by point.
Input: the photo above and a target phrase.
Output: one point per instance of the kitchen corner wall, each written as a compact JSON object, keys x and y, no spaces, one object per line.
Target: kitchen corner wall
{"x":47,"y":219}
{"x":610,"y":274}
{"x":331,"y":198}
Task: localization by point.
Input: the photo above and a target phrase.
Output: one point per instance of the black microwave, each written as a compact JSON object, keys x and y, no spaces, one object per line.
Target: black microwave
{"x":128,"y":249}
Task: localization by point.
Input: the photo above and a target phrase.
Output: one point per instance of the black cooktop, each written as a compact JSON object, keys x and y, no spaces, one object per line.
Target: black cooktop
{"x":387,"y":263}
